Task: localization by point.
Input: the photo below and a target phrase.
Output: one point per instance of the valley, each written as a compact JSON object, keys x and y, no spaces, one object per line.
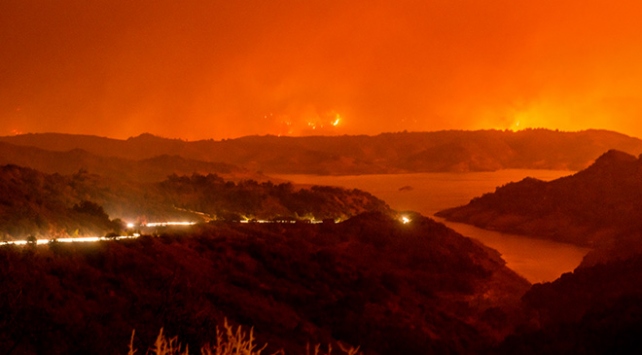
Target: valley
{"x":189,"y":251}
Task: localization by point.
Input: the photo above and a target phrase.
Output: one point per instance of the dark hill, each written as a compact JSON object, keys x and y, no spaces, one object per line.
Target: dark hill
{"x":598,"y":206}
{"x":594,"y":310}
{"x":42,"y":204}
{"x":33,"y":203}
{"x":385,"y":153}
{"x":371,"y":281}
{"x":218,"y":198}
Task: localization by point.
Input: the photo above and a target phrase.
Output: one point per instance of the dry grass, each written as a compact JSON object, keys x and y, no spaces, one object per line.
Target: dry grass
{"x":346,"y":350}
{"x":229,"y":341}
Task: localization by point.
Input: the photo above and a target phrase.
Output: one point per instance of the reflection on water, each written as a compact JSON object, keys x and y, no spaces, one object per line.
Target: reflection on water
{"x":536,"y":260}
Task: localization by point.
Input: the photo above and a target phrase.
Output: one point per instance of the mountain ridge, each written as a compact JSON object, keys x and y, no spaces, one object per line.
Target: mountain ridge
{"x":151,"y":169}
{"x":401,"y":152}
{"x":596,"y":207}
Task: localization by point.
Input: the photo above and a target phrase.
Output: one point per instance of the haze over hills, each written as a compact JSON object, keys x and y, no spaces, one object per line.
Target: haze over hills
{"x":459,"y":151}
{"x":151,"y":169}
{"x":425,"y":104}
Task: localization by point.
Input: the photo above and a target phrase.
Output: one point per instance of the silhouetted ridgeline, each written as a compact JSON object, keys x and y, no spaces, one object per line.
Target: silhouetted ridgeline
{"x":385,"y":153}
{"x":594,"y":310}
{"x":391,"y":288}
{"x":591,"y":207}
{"x":145,"y":170}
{"x":53,"y":205}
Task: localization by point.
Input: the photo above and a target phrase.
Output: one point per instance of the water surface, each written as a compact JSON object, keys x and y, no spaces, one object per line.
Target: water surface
{"x":536,"y":259}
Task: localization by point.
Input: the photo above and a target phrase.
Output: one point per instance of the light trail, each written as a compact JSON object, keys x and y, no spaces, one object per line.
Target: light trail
{"x":97,"y":239}
{"x":69,"y":240}
{"x":404,"y":220}
{"x":165,"y":224}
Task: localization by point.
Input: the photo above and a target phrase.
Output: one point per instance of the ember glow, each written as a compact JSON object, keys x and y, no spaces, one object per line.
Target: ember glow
{"x":225,"y":69}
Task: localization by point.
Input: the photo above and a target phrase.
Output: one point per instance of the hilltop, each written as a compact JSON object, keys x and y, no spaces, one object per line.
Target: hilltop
{"x":442,"y":151}
{"x":594,"y":309}
{"x":598,"y":206}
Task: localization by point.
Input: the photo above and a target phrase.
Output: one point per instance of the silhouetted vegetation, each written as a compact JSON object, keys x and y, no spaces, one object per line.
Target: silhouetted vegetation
{"x":56,"y":205}
{"x":594,"y":310}
{"x":32,"y":203}
{"x":213,"y":195}
{"x":370,"y":281}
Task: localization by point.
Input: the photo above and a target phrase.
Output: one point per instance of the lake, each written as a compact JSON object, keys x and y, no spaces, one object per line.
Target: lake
{"x":536,"y":260}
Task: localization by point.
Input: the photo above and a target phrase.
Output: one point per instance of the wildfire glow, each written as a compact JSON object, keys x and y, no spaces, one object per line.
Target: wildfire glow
{"x":409,"y":65}
{"x":515,"y":126}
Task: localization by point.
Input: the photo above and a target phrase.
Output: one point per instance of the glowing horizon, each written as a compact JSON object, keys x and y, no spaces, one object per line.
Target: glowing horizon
{"x":215,"y":69}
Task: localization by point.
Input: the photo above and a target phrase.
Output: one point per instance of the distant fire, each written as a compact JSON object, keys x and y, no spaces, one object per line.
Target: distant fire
{"x":306,"y":122}
{"x":337,"y":119}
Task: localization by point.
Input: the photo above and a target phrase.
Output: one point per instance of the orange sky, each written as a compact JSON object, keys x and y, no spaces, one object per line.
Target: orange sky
{"x":220,"y":69}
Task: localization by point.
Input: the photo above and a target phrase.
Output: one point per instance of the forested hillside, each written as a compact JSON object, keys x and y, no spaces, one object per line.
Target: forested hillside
{"x":371,"y":281}
{"x":54,"y":205}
